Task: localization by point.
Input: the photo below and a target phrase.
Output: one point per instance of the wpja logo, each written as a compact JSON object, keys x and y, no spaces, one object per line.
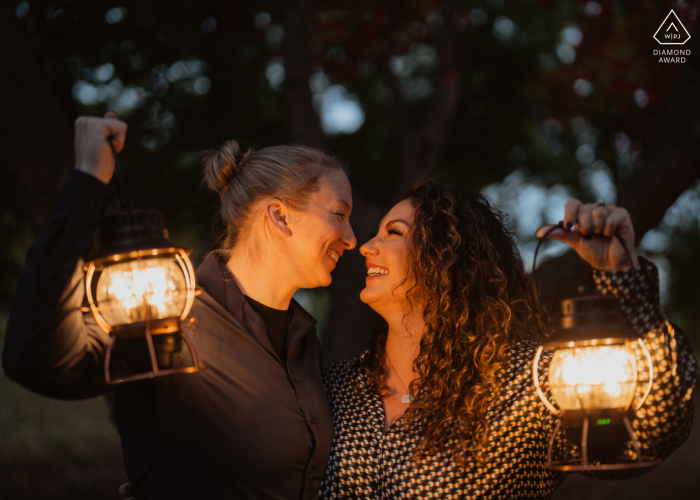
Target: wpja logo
{"x":672,"y":32}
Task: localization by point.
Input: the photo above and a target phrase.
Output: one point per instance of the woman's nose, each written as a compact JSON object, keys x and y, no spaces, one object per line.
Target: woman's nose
{"x":349,"y":239}
{"x":368,"y":249}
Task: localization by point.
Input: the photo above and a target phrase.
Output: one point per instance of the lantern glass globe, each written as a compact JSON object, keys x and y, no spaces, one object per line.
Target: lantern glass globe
{"x":593,"y":377}
{"x":137,"y":290}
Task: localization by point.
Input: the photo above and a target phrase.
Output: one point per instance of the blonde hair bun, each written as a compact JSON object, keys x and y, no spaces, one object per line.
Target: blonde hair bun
{"x":221,"y":166}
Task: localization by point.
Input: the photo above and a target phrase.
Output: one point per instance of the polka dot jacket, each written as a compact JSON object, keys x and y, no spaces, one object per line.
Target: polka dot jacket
{"x":366,"y":462}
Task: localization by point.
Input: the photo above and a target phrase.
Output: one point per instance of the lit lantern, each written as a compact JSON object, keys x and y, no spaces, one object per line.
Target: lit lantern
{"x":592,"y":380}
{"x":140,"y":287}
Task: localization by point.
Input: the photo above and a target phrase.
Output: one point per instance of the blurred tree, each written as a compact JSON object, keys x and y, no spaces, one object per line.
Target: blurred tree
{"x":661,"y":127}
{"x":617,"y":59}
{"x":468,"y":91}
{"x":31,"y":115}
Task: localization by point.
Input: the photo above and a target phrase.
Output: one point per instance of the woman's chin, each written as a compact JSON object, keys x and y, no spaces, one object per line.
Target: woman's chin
{"x":367,"y":296}
{"x":323,"y":280}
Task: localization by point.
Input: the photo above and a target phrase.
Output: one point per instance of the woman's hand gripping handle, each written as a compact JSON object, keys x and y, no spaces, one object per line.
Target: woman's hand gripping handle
{"x":93,"y":154}
{"x":590,"y":229}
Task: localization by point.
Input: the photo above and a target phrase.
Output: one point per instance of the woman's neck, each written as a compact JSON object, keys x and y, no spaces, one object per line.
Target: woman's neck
{"x":403,"y":343}
{"x":262,"y":278}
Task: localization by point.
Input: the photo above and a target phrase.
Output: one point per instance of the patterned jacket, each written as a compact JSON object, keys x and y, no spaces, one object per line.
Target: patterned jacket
{"x":366,"y":462}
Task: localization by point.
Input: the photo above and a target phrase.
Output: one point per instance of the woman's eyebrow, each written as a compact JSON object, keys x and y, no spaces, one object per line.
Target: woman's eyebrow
{"x":392,"y":221}
{"x":347,"y":205}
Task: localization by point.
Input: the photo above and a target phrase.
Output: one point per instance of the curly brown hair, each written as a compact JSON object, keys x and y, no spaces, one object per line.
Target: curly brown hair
{"x":465,"y":268}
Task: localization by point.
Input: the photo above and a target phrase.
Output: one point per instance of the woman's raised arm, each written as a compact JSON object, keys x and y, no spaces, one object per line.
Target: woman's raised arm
{"x":663,"y":422}
{"x":51,"y":346}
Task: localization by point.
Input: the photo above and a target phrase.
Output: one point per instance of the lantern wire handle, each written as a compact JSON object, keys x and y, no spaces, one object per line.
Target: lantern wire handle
{"x":120,"y":185}
{"x":560,"y":225}
{"x":118,"y":177}
{"x":535,"y":290}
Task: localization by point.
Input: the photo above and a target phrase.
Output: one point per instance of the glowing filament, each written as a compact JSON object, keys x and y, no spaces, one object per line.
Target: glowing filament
{"x":128,"y":292}
{"x":593,"y":377}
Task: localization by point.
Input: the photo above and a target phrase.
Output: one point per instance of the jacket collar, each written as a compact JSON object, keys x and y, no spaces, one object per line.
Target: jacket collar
{"x":216,"y":279}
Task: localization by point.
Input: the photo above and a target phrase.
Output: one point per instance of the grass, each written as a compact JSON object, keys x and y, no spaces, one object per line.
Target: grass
{"x":57,"y":449}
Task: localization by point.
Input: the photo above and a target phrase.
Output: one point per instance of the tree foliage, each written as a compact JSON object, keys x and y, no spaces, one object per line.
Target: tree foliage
{"x":468,"y":91}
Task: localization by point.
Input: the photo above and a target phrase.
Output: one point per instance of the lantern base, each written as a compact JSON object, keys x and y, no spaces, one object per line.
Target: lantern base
{"x":575,"y":465}
{"x":605,"y":429}
{"x":131,"y":355}
{"x":130,"y":358}
{"x":134,"y":333}
{"x":602,"y":436}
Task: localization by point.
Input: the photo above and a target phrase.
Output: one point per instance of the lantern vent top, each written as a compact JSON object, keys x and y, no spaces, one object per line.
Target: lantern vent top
{"x":133,"y":230}
{"x":589,"y":319}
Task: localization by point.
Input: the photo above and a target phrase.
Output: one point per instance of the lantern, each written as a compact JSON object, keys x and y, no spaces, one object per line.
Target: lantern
{"x":140,"y":287}
{"x":592,"y":380}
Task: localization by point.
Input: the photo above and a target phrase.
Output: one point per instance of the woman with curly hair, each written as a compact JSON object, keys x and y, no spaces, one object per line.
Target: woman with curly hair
{"x":442,"y":403}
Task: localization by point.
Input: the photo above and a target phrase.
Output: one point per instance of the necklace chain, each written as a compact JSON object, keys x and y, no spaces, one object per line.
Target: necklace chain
{"x":406,"y":398}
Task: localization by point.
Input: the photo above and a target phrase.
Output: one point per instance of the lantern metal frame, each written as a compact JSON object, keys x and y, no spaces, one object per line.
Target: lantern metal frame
{"x":165,"y":325}
{"x":126,"y":240}
{"x":619,"y":416}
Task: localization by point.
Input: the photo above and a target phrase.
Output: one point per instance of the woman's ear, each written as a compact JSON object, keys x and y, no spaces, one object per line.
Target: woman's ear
{"x":276,"y":214}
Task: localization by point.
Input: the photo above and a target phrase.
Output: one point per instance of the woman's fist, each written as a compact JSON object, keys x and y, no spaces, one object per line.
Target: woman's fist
{"x":591,"y":232}
{"x":92,"y":152}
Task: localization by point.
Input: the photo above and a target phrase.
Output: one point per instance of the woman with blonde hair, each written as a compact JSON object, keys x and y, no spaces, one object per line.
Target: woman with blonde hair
{"x":256,"y":423}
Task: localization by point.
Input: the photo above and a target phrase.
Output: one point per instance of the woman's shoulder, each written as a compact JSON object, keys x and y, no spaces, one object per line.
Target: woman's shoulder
{"x":522,"y":354}
{"x":523,"y":349}
{"x":346,"y":366}
{"x":517,"y":368}
{"x":344,"y":372}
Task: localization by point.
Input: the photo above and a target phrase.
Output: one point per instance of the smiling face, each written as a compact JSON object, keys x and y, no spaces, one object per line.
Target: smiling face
{"x":321,"y":232}
{"x":386,"y":258}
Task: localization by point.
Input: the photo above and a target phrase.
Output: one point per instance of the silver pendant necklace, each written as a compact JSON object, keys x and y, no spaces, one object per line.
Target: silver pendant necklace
{"x":406,"y":398}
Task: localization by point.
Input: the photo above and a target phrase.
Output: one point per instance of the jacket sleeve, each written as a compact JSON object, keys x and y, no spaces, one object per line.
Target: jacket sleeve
{"x":51,"y":346}
{"x":664,"y":420}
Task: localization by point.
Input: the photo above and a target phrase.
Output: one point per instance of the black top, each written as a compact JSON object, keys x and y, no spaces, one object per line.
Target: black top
{"x":243,"y":428}
{"x":275,"y":324}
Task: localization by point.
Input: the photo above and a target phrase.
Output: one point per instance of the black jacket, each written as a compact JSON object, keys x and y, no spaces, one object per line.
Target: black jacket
{"x":244,"y":428}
